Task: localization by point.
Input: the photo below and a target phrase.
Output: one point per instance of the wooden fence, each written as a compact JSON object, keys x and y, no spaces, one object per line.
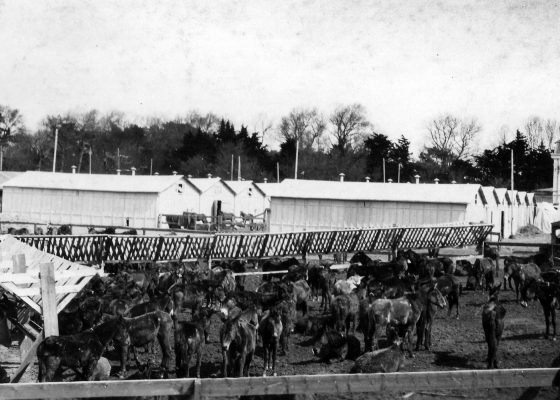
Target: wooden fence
{"x":339,"y":384}
{"x":119,"y":248}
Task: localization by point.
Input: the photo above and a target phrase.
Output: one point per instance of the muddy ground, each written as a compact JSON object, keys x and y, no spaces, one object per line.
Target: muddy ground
{"x":457,"y":344}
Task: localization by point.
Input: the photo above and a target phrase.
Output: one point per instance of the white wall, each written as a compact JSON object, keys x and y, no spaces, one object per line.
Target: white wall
{"x":249,"y":202}
{"x":81,"y":207}
{"x":217,"y":192}
{"x":306,"y":214}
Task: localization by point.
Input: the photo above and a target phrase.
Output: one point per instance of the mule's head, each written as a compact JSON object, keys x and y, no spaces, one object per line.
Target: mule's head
{"x":437,"y":298}
{"x":228,"y":333}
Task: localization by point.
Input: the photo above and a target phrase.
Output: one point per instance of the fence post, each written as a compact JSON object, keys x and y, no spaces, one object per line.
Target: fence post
{"x":48,"y":297}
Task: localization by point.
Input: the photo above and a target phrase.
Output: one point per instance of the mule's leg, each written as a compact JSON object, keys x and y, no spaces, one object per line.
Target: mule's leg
{"x":124,"y":358}
{"x":420,"y":330}
{"x":265,"y":357}
{"x":87,"y":370}
{"x":247,"y":363}
{"x":428,"y":334}
{"x":553,"y":318}
{"x":241,"y":363}
{"x":163,"y":339}
{"x":187,"y":365}
{"x":224,"y":363}
{"x":274,"y":350}
{"x":547,"y":313}
{"x":198,"y":362}
{"x":410,"y":334}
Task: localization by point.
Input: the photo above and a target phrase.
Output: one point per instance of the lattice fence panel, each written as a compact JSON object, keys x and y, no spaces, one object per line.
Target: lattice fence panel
{"x":117,"y":248}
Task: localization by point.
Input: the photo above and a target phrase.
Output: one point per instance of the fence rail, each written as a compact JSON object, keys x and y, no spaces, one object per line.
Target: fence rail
{"x":302,"y":384}
{"x":119,"y":248}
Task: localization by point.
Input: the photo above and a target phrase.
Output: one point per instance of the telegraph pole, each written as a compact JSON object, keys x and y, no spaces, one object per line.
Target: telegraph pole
{"x":55,"y":146}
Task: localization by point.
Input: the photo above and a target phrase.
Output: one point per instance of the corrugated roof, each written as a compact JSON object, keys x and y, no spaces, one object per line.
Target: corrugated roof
{"x":240,"y":186}
{"x":375,"y":191}
{"x":94,"y":182}
{"x":7,"y":175}
{"x":203,"y":184}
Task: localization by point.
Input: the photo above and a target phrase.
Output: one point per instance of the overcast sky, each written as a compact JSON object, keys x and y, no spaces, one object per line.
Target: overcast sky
{"x":406,"y":62}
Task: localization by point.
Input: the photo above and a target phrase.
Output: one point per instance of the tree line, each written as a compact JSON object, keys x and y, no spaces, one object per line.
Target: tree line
{"x":344,"y":141}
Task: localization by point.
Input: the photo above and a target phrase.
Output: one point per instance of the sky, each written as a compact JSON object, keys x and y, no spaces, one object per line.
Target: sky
{"x":407,"y":62}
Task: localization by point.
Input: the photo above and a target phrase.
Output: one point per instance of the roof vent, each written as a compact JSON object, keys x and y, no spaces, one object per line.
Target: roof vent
{"x":265,"y":180}
{"x":390,"y":180}
{"x":118,"y":171}
{"x":209,"y":176}
{"x":174,"y":172}
{"x":367,"y":178}
{"x":73,"y":169}
{"x":436,"y":181}
{"x":157,"y":173}
{"x":417,"y":178}
{"x":453,"y":182}
{"x":133,"y":171}
{"x":341,"y":176}
{"x":189,"y":176}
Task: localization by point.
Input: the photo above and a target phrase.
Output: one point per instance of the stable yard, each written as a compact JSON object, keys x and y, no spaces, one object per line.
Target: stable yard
{"x":457,"y":344}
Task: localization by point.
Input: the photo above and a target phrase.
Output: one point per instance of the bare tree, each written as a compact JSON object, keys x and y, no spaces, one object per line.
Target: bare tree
{"x":304,"y":125}
{"x":551,"y":132}
{"x":349,"y":123}
{"x":263,"y":125}
{"x":11,"y":122}
{"x":451,"y":138}
{"x":534,"y":132}
{"x":206,"y":123}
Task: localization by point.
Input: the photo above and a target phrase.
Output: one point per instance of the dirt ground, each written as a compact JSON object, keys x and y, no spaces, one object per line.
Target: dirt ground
{"x":457,"y":344}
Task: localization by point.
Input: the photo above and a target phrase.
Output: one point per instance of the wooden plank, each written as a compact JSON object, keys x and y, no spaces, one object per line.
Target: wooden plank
{"x":69,"y":390}
{"x":518,"y":244}
{"x":10,"y":287}
{"x":29,"y":357}
{"x":331,"y":383}
{"x":48,"y":297}
{"x":36,"y":291}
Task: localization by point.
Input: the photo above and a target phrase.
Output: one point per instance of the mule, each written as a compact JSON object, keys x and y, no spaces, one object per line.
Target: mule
{"x":493,"y":314}
{"x":238,"y":339}
{"x":270,"y":331}
{"x":143,"y":330}
{"x":81,"y":350}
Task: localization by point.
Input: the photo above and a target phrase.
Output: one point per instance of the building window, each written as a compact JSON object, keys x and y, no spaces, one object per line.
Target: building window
{"x":180,"y":188}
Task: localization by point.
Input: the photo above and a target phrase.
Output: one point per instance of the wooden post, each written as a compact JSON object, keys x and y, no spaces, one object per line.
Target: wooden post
{"x":19,"y":264}
{"x":48,"y":297}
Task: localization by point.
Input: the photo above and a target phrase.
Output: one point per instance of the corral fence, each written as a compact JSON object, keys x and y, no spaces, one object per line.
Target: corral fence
{"x":339,"y":384}
{"x":120,"y":248}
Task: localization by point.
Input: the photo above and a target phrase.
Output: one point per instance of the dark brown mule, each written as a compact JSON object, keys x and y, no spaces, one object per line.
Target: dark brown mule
{"x":143,"y":330}
{"x":238,"y":338}
{"x":79,"y":351}
{"x":493,"y":314}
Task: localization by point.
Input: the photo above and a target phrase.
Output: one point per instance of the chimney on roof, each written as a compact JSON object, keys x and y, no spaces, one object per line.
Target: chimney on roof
{"x":265,"y":180}
{"x":390,"y":180}
{"x":209,"y":176}
{"x":133,"y":171}
{"x":341,"y":176}
{"x":174,"y":172}
{"x":189,"y":176}
{"x":367,"y":178}
{"x":453,"y":182}
{"x":118,"y":171}
{"x":73,"y":169}
{"x":157,"y":173}
{"x":436,"y":181}
{"x":417,"y":178}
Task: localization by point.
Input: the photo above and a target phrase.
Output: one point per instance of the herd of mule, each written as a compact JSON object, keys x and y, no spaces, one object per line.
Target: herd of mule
{"x":129,"y":309}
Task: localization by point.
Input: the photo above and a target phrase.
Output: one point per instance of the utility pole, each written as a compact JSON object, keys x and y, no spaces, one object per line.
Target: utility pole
{"x":90,"y":160}
{"x":231,"y":170}
{"x":238,"y":168}
{"x":151,"y":165}
{"x":277,"y":172}
{"x":118,"y":158}
{"x":55,"y":146}
{"x":399,"y":174}
{"x":383,"y":170}
{"x":511,"y":197}
{"x":297,"y":155}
